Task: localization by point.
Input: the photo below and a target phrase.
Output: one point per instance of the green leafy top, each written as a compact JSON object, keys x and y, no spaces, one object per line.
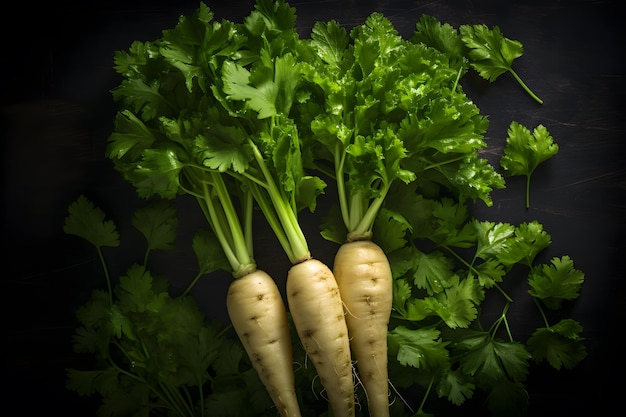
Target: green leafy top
{"x":202,"y":111}
{"x":388,"y":109}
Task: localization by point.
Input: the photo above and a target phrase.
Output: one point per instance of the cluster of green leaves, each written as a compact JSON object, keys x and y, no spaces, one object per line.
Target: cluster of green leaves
{"x":389,"y":109}
{"x":445,"y":264}
{"x":153,"y":353}
{"x":484,"y":49}
{"x":203,"y":110}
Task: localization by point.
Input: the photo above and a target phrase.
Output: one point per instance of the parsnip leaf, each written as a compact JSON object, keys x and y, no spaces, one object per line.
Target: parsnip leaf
{"x":556,"y":282}
{"x":525,"y":150}
{"x":158,"y":223}
{"x":561,"y":344}
{"x":87,"y":221}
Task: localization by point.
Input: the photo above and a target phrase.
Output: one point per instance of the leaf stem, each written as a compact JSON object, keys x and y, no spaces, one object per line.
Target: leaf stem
{"x":281,"y":214}
{"x":107,"y":275}
{"x":543,"y":314}
{"x":525,"y":87}
{"x":426,"y":394}
{"x":472,"y":268}
{"x":340,"y":159}
{"x":226,"y":224}
{"x":528,"y":191}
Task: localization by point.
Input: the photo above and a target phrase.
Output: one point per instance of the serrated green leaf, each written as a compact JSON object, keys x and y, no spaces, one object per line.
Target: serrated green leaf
{"x":433,"y":270}
{"x":490,"y":52}
{"x":157,"y":222}
{"x":525,"y":150}
{"x":529,"y":240}
{"x":561,"y":345}
{"x":102,"y":382}
{"x":87,"y":221}
{"x":492,"y":360}
{"x":455,"y":386}
{"x":555,"y":282}
{"x":209,"y":252}
{"x":390,"y":230}
{"x":135,"y":292}
{"x":456,"y":304}
{"x":493,"y":238}
{"x":420,"y":348}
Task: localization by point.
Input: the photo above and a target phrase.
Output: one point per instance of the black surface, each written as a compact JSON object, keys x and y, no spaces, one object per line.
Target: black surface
{"x":57,"y":113}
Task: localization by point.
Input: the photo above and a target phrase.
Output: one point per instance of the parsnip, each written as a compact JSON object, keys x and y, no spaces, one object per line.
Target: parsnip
{"x":318,"y":315}
{"x":258,"y":314}
{"x":363,"y":275}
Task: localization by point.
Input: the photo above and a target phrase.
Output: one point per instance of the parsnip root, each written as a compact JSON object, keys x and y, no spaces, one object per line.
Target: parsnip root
{"x":318,"y":314}
{"x":363,"y":275}
{"x":259,"y":316}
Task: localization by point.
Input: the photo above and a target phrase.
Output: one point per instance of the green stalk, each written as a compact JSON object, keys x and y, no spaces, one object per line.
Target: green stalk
{"x":210,"y":212}
{"x":528,"y":191}
{"x":281,"y":214}
{"x":226,"y":224}
{"x":175,"y":399}
{"x":367,"y":219}
{"x":242,"y":247}
{"x":270,"y":215}
{"x":106,"y":274}
{"x":340,"y":159}
{"x":525,"y":87}
{"x":471,"y":267}
{"x":357,"y":208}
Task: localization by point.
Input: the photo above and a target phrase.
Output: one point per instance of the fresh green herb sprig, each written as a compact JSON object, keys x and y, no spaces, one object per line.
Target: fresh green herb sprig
{"x":485,"y":49}
{"x":154,"y":353}
{"x":525,"y":150}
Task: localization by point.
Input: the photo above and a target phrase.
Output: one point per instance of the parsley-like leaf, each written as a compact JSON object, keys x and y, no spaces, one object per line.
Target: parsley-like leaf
{"x":553,"y":283}
{"x":492,"y":54}
{"x":209,"y":252}
{"x":456,"y":305}
{"x":560,"y":344}
{"x":491,"y":360}
{"x":525,"y":150}
{"x":157,"y":222}
{"x":529,"y":239}
{"x":456,"y":386}
{"x":88,"y":222}
{"x":420,"y":348}
{"x":432,"y":272}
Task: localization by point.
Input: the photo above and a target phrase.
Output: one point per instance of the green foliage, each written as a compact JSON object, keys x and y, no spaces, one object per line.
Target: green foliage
{"x":87,"y":221}
{"x":450,"y":263}
{"x":485,"y":49}
{"x":525,"y":150}
{"x":390,"y":110}
{"x":153,"y":353}
{"x":205,"y":105}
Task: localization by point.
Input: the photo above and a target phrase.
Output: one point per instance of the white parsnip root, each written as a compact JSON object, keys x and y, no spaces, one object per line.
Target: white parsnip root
{"x":259,"y":317}
{"x":318,"y":315}
{"x":363,"y":275}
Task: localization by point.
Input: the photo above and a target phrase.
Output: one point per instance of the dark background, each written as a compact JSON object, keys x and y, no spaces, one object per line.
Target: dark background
{"x":57,"y":111}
